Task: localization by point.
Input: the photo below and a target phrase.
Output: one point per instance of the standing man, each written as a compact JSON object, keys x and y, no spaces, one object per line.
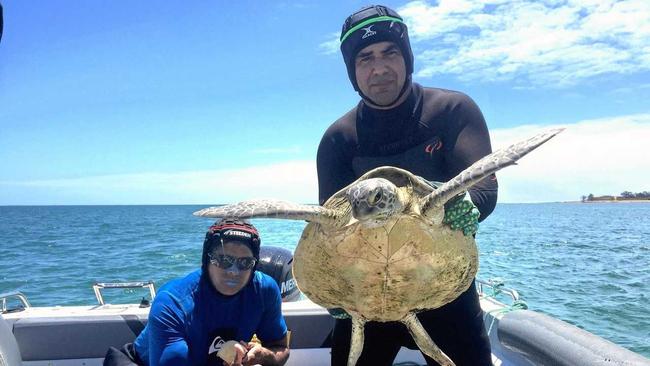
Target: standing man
{"x":191,"y":318}
{"x":433,"y":133}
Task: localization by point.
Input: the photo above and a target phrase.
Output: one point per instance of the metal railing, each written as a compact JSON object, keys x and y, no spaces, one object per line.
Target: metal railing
{"x":19,"y":295}
{"x":98,"y":286}
{"x":497,"y":288}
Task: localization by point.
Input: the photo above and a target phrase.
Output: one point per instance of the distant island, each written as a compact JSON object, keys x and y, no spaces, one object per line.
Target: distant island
{"x":625,"y":196}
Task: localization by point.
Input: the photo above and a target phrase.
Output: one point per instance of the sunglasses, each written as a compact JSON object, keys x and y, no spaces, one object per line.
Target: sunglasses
{"x":225,"y":261}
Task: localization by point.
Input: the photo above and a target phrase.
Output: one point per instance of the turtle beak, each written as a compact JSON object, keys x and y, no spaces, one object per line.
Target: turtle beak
{"x":361,"y":210}
{"x":365,"y":212}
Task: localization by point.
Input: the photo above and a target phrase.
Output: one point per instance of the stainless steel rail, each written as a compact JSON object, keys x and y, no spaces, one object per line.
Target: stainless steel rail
{"x":98,"y":286}
{"x":497,"y":287}
{"x":7,"y":295}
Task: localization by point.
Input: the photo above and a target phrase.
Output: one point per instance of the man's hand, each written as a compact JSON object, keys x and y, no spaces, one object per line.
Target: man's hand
{"x":256,"y":354}
{"x":240,"y":350}
{"x":462,"y":214}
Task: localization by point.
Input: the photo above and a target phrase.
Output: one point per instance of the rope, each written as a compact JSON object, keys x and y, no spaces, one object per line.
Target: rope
{"x":516,"y":305}
{"x":496,"y":286}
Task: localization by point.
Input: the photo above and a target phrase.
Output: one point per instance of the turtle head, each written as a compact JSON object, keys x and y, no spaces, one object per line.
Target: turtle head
{"x":373,"y":201}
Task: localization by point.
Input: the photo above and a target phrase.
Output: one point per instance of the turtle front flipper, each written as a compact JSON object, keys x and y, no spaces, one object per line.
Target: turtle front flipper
{"x":356,"y":341}
{"x":277,"y":209}
{"x":424,"y":341}
{"x":432,"y":203}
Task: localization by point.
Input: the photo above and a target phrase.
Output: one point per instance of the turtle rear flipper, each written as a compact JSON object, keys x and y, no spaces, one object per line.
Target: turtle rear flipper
{"x":276,"y":209}
{"x":424,"y":341}
{"x":356,"y":340}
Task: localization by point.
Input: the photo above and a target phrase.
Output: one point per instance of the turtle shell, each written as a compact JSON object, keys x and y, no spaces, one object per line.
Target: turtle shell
{"x":383,"y":273}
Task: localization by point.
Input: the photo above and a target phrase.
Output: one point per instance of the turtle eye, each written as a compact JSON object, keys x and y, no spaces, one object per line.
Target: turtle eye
{"x":375,"y":197}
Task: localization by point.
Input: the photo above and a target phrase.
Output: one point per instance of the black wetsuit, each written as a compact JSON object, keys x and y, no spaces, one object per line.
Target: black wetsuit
{"x":435,"y":134}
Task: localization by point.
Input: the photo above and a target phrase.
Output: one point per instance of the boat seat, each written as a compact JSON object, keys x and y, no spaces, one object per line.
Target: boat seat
{"x":88,"y":337}
{"x":85,"y":337}
{"x":310,"y":331}
{"x":9,"y":351}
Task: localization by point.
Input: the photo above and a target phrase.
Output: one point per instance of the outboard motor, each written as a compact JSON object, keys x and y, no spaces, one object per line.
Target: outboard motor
{"x":276,"y":262}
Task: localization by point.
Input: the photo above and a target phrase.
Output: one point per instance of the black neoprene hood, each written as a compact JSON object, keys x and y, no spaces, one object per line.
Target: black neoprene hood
{"x":231,"y":229}
{"x":373,"y":24}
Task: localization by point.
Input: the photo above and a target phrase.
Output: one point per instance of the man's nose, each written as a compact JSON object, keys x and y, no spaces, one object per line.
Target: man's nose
{"x":380,"y":67}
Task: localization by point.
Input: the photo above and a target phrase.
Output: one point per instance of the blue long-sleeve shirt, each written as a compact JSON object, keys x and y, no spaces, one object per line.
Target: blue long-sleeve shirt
{"x":190,"y":320}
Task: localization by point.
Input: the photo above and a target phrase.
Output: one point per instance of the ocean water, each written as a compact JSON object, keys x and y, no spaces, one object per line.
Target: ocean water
{"x":588,"y":264}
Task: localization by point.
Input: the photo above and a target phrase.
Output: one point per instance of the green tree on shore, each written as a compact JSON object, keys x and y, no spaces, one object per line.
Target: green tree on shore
{"x":625,"y":195}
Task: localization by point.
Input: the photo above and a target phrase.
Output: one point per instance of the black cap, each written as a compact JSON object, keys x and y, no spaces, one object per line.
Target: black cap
{"x":230,"y":229}
{"x":373,"y":24}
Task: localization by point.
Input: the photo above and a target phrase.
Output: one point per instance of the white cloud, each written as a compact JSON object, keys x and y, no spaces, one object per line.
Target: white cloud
{"x":292,"y":180}
{"x":558,"y":43}
{"x":603,"y":156}
{"x":331,"y":46}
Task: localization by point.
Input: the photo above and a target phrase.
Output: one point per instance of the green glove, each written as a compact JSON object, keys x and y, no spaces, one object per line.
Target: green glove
{"x":338,"y":313}
{"x":461,"y":214}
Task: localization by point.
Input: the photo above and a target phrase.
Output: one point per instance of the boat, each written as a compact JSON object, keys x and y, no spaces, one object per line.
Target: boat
{"x":81,"y":335}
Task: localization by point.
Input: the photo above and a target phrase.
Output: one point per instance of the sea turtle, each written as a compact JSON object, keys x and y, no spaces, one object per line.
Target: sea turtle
{"x":378,"y":249}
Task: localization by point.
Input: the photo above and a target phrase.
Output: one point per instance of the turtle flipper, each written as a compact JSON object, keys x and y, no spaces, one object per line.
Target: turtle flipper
{"x":424,"y":341}
{"x":275,"y":209}
{"x":356,"y":342}
{"x":480,"y":170}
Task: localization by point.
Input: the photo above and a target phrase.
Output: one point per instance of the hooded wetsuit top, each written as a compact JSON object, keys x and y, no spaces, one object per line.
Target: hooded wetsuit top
{"x":190,"y":320}
{"x":435,"y":134}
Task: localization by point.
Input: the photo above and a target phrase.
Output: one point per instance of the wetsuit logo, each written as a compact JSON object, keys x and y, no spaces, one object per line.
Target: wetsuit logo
{"x":434,"y":146}
{"x":369,"y":32}
{"x":216,"y":345}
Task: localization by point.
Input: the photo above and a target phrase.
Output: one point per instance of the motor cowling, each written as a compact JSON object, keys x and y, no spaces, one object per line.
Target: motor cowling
{"x":276,"y":262}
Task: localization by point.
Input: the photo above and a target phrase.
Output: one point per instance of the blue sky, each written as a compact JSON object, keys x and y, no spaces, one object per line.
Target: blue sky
{"x":117,"y":102}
